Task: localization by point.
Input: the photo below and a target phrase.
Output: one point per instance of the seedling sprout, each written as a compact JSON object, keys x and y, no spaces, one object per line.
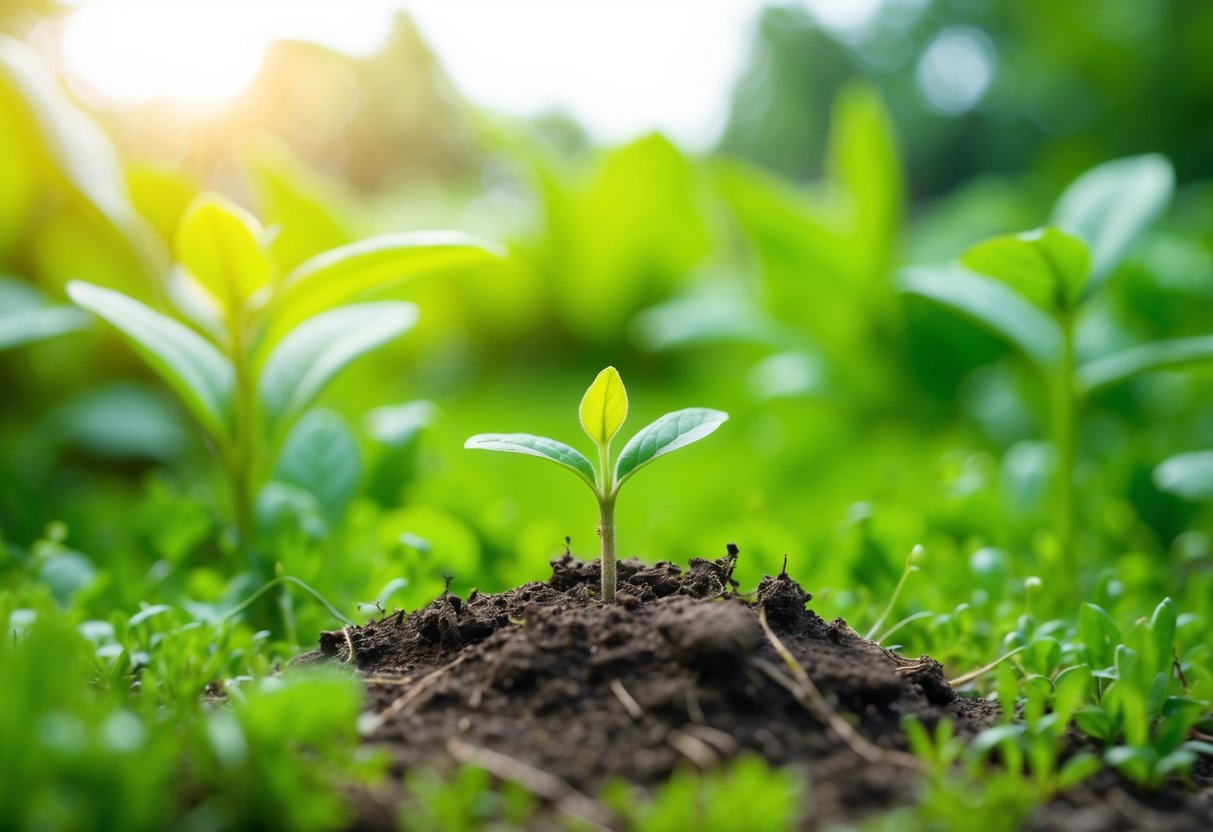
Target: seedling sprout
{"x":604,"y":407}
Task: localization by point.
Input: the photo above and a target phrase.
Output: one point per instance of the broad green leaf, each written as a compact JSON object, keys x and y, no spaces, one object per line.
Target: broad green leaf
{"x":26,"y":315}
{"x":343,"y":273}
{"x":669,"y":433}
{"x":1159,"y":355}
{"x":1046,"y":266}
{"x":991,"y":305}
{"x":320,"y":455}
{"x":314,"y":352}
{"x":1188,"y":475}
{"x":1110,"y":205}
{"x":604,"y":407}
{"x":540,"y":446}
{"x":191,"y":365}
{"x":219,"y":243}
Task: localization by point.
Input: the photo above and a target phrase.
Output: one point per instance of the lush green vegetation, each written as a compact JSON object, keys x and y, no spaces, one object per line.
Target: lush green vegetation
{"x":225,"y":428}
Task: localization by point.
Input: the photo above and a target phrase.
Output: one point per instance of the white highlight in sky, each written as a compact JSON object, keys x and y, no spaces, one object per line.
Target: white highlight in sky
{"x":620,"y":67}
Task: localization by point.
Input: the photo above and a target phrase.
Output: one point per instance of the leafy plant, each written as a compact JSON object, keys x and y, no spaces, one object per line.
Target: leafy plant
{"x":269,"y":343}
{"x":1030,"y":289}
{"x":604,"y":407}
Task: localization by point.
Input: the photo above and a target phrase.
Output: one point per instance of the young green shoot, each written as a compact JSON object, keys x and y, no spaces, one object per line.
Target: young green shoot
{"x":604,"y":407}
{"x":916,"y":557}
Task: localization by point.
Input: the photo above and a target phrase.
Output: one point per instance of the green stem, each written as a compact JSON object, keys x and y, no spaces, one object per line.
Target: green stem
{"x":1066,"y":437}
{"x":244,"y":455}
{"x":606,"y":530}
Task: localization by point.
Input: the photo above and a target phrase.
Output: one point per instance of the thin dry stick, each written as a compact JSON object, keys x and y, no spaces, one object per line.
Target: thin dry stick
{"x":349,"y":642}
{"x":694,"y":749}
{"x":629,"y":704}
{"x":407,"y":698}
{"x":983,"y":670}
{"x":815,"y":703}
{"x":389,"y":681}
{"x":542,"y":784}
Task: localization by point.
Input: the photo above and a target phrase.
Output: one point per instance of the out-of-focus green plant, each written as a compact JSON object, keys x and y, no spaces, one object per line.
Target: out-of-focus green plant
{"x":272,"y":342}
{"x":1041,"y":282}
{"x":824,"y":310}
{"x":604,"y":407}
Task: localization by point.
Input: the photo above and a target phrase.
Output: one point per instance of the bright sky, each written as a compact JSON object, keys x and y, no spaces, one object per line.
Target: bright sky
{"x":621,"y":67}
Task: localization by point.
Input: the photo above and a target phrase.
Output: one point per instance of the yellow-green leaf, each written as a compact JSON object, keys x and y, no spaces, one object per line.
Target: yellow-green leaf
{"x":219,"y":243}
{"x":604,"y":406}
{"x":1046,"y":266}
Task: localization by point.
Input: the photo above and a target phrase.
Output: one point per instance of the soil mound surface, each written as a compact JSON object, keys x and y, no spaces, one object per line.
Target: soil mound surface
{"x":546,"y":686}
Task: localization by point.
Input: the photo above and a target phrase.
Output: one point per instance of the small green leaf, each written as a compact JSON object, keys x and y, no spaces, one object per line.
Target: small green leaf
{"x":219,"y":243}
{"x":1078,"y":768}
{"x":1099,"y":635}
{"x":1046,"y":266}
{"x":604,"y":407}
{"x":1187,"y":475}
{"x":191,"y":365}
{"x":1163,"y":624}
{"x":540,"y":446}
{"x":343,"y":273}
{"x":313,"y":353}
{"x":320,"y":455}
{"x":1110,"y":205}
{"x":1159,"y":355}
{"x":992,"y":305}
{"x":669,"y":433}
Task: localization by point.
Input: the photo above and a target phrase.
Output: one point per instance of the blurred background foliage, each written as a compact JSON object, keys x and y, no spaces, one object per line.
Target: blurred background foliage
{"x":758,"y":276}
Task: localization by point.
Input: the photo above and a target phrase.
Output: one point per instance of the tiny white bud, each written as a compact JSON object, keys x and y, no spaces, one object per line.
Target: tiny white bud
{"x":1032,"y":584}
{"x":917,"y":554}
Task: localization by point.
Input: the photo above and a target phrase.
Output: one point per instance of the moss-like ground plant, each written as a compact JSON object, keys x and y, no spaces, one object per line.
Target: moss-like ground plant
{"x":604,"y":407}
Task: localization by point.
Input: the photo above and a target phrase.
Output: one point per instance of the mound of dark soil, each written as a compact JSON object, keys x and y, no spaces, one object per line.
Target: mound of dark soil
{"x":546,"y":686}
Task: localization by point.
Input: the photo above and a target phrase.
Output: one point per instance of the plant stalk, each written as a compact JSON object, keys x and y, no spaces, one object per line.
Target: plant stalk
{"x":1066,"y":437}
{"x":606,"y":531}
{"x":244,"y":455}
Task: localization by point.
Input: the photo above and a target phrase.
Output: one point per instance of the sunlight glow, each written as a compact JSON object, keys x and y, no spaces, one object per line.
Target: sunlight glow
{"x":128,"y":52}
{"x":621,"y":67}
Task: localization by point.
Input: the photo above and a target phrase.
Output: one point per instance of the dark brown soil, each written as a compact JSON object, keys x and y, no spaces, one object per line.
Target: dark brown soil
{"x":545,"y":685}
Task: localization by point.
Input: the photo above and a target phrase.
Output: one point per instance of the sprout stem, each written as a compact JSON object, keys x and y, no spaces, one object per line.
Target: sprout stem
{"x":606,"y":530}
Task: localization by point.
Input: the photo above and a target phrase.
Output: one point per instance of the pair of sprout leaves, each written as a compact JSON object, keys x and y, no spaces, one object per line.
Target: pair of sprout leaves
{"x":285,"y":336}
{"x":604,"y":407}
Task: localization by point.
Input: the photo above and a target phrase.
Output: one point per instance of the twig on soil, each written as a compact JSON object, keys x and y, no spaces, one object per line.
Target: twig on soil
{"x":722,"y":741}
{"x":380,"y":719}
{"x":693,"y":748}
{"x":542,"y":784}
{"x":389,"y":681}
{"x":349,"y":642}
{"x":984,"y":669}
{"x":629,"y":704}
{"x":807,"y":694}
{"x":694,"y":711}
